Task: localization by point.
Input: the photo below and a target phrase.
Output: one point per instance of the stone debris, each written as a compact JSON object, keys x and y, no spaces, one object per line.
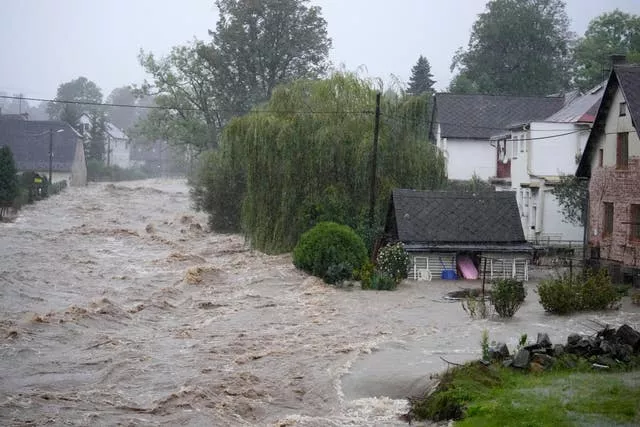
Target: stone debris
{"x":606,"y":349}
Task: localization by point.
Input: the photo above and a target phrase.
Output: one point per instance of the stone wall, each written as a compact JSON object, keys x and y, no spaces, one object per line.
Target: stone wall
{"x":622,"y":188}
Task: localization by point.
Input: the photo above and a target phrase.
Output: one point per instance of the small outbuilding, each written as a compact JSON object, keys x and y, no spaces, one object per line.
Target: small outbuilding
{"x":456,"y":234}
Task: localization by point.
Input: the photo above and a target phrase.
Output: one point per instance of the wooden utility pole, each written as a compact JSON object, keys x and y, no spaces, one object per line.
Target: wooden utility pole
{"x":374,"y":165}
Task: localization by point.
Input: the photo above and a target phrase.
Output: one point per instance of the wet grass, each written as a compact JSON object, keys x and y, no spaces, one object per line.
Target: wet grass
{"x":479,"y":395}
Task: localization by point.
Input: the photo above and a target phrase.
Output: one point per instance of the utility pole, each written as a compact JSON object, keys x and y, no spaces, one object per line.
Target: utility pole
{"x":374,"y":165}
{"x":50,"y":154}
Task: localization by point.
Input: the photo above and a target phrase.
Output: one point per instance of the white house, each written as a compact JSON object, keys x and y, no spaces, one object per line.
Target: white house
{"x":117,"y":144}
{"x":462,"y":127}
{"x":531,"y":158}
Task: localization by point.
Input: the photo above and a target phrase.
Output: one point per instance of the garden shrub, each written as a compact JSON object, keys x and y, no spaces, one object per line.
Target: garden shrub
{"x":591,"y":290}
{"x":329,"y":244}
{"x":394,"y":261}
{"x":365,"y":274}
{"x":338,"y":273}
{"x":381,"y":281}
{"x":507,"y":296}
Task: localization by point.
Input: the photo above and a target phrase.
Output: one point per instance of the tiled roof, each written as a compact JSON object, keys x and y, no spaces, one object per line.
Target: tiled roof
{"x":29,"y":143}
{"x":627,"y":78}
{"x":481,"y":116}
{"x":446,"y":217}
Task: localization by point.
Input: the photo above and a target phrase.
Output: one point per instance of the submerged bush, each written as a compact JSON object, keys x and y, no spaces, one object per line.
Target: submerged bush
{"x":507,"y":295}
{"x":327,"y":246}
{"x":394,"y":261}
{"x":591,"y":290}
{"x":381,"y":281}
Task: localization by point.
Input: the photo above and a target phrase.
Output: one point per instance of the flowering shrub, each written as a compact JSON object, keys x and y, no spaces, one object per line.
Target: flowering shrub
{"x":393,"y":260}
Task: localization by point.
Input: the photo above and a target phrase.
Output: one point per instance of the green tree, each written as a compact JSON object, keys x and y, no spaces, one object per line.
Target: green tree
{"x":572,"y":193}
{"x":421,"y":80}
{"x":184,"y":83}
{"x":292,"y":168}
{"x":461,"y":84}
{"x":610,"y":33}
{"x":8,"y":176}
{"x":258,"y":45}
{"x":78,"y":91}
{"x":123,"y":118}
{"x":518,"y":47}
{"x":95,"y":140}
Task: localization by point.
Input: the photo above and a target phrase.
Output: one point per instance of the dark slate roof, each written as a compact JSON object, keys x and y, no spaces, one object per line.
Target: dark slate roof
{"x":481,"y":116}
{"x":29,"y":143}
{"x":451,"y":217}
{"x":627,"y":78}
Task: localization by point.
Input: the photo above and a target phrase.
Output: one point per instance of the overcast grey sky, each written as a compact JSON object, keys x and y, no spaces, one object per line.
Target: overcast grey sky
{"x":47,"y":42}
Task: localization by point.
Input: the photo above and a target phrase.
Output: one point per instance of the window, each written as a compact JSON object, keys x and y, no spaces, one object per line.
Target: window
{"x":601,"y":157}
{"x":608,"y":219}
{"x":635,"y":223}
{"x":622,"y":151}
{"x":623,"y":109}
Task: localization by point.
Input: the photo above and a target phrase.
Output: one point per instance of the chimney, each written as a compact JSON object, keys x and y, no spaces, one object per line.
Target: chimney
{"x":618,"y":59}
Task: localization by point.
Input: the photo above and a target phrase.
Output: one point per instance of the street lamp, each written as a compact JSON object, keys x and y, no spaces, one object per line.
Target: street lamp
{"x":51,"y":152}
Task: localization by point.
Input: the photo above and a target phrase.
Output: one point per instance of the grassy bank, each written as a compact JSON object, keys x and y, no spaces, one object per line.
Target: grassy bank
{"x":481,"y":395}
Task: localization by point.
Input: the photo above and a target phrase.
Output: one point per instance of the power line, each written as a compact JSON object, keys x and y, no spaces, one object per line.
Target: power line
{"x":159,"y":107}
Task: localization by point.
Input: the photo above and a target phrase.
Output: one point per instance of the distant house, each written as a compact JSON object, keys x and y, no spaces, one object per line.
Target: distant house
{"x":443,"y":229}
{"x":611,"y":161}
{"x":160,"y":158}
{"x":117,"y":147}
{"x":531,"y":157}
{"x":30,"y":141}
{"x":462,"y":127}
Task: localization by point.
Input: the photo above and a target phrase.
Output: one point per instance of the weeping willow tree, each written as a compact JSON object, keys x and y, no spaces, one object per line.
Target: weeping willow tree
{"x":305,"y":156}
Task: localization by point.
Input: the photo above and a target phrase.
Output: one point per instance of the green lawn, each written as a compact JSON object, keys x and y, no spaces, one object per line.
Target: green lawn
{"x":497,"y":396}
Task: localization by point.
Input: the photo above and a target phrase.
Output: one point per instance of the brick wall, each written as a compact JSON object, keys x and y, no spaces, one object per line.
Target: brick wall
{"x":622,"y":188}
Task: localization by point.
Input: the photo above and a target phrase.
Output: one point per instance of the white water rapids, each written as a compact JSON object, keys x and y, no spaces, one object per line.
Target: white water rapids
{"x":116,"y":308}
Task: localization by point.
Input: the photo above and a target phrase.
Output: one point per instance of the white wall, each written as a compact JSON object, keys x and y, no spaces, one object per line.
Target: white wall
{"x":119,"y":153}
{"x":466,"y":157}
{"x":539,"y":154}
{"x":616,"y":124}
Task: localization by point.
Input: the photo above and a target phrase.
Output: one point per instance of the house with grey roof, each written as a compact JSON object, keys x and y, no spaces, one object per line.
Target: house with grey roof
{"x":611,"y":162}
{"x":30,"y":142}
{"x":117,"y":147}
{"x":531,"y":157}
{"x":442,"y":230}
{"x":462,"y":127}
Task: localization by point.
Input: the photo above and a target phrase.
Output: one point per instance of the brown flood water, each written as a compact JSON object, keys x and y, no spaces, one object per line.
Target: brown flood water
{"x":117,"y":309}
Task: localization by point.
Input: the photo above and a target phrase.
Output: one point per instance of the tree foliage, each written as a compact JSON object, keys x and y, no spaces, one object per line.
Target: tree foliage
{"x":8,"y":176}
{"x":96,"y":138}
{"x":421,"y":80}
{"x":610,"y":33}
{"x":306,"y":158}
{"x":78,"y":90}
{"x":518,"y":47}
{"x":258,"y":45}
{"x":184,"y":83}
{"x":123,"y":118}
{"x":571,"y":194}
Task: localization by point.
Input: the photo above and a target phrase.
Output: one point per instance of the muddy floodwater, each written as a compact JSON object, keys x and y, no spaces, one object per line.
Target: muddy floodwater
{"x":118,"y":308}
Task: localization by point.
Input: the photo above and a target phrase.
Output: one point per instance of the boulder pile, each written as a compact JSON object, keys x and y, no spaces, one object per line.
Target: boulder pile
{"x":609,"y":347}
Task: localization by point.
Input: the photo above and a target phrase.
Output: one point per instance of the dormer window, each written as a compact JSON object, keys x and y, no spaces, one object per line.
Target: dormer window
{"x":623,"y":109}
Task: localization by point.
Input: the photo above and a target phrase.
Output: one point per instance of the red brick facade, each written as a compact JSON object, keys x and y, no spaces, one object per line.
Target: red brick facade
{"x":622,"y":188}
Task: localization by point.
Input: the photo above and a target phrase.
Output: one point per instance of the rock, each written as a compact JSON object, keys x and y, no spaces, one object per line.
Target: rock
{"x":195,"y":227}
{"x":606,"y":360}
{"x":507,"y":363}
{"x":532,"y":347}
{"x":606,"y":347}
{"x":607,"y":334}
{"x":622,"y":352}
{"x":521,"y":359}
{"x":498,"y":351}
{"x":543,"y":340}
{"x":627,"y":335}
{"x":543,"y":360}
{"x":558,"y":350}
{"x":573,"y":339}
